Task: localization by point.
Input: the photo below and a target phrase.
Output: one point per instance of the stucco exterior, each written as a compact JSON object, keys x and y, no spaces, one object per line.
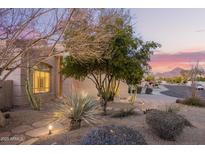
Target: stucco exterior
{"x":59,"y":86}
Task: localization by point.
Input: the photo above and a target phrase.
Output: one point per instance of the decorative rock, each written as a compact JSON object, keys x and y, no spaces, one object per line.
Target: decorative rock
{"x":41,"y":123}
{"x":21,"y":129}
{"x":2,"y":120}
{"x":138,"y":111}
{"x":42,"y":131}
{"x":178,"y":101}
{"x":30,"y":141}
{"x":109,"y":108}
{"x":7,"y":115}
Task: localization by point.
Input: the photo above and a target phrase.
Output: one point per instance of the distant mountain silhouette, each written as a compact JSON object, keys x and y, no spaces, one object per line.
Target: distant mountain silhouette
{"x":176,"y":71}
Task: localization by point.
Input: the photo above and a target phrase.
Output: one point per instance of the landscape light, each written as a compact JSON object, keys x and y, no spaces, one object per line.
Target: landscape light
{"x":142,"y":107}
{"x":84,"y":94}
{"x":50,"y":127}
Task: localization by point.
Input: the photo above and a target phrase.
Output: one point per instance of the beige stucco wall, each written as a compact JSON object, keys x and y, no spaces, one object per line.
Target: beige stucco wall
{"x":69,"y":85}
{"x":18,"y":96}
{"x":20,"y":75}
{"x":72,"y":85}
{"x":6,"y":94}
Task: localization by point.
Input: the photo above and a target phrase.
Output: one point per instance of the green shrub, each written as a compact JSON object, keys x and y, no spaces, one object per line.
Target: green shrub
{"x":200,"y":79}
{"x":113,"y":135}
{"x":79,"y":108}
{"x":166,"y":125}
{"x":124,"y":113}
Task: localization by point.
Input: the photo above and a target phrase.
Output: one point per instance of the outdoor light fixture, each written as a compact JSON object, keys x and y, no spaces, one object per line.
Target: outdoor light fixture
{"x":142,"y":107}
{"x":50,"y":127}
{"x":84,"y":94}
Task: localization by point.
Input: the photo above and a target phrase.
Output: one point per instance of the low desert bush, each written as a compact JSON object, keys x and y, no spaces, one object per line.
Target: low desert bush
{"x":124,"y":113}
{"x":172,"y":109}
{"x":148,"y":91}
{"x":192,"y":101}
{"x":166,"y":125}
{"x":78,"y":108}
{"x":113,"y":135}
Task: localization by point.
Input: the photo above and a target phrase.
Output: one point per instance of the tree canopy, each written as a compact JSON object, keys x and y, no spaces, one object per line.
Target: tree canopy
{"x":124,"y":58}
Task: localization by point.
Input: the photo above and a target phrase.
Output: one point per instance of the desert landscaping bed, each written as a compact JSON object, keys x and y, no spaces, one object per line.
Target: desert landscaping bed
{"x":37,"y":122}
{"x":190,"y":135}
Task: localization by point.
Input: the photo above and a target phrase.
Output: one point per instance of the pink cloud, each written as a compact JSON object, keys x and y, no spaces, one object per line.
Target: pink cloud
{"x":166,"y":62}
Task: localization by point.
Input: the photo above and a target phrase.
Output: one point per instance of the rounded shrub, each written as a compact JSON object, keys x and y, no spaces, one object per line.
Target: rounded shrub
{"x":192,"y":101}
{"x":148,"y":91}
{"x":113,"y":135}
{"x":124,"y":113}
{"x":139,"y":89}
{"x":166,"y":125}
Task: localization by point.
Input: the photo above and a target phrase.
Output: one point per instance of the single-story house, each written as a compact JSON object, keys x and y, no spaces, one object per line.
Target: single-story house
{"x":47,"y":81}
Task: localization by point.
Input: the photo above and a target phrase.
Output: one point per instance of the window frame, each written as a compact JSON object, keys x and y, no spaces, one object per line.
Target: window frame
{"x":42,"y":68}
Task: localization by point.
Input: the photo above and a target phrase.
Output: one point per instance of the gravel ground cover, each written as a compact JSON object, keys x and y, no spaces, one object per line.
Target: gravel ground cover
{"x":26,"y":118}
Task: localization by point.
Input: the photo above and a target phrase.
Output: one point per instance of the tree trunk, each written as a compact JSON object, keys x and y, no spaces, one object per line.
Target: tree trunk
{"x":111,"y":96}
{"x":105,"y":107}
{"x":75,"y":124}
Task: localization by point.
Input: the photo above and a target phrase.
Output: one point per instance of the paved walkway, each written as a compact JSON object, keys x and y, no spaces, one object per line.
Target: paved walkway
{"x":156,"y":99}
{"x":29,"y":134}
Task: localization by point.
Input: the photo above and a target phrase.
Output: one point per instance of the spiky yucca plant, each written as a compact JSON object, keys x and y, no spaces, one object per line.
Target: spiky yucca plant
{"x":79,"y":108}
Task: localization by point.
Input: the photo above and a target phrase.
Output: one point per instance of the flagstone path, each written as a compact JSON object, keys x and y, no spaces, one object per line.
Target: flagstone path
{"x":28,"y":134}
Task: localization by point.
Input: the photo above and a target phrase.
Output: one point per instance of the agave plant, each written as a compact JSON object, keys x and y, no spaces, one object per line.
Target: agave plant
{"x":79,"y":108}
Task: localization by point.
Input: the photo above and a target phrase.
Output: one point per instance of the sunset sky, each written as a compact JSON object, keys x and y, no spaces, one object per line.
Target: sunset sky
{"x":181,"y":32}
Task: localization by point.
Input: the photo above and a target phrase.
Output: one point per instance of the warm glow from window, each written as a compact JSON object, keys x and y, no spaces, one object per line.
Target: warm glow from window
{"x":41,"y":81}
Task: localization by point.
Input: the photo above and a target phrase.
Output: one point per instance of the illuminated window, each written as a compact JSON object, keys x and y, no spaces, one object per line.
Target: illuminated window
{"x":41,"y":79}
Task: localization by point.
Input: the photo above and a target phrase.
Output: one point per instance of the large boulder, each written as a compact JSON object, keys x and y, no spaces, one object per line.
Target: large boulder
{"x":113,"y":135}
{"x":2,"y":120}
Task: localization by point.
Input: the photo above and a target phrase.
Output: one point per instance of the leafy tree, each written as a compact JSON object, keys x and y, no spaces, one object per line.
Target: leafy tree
{"x":199,"y":78}
{"x":186,"y":75}
{"x":178,"y":79}
{"x":125,"y":59}
{"x":150,"y":78}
